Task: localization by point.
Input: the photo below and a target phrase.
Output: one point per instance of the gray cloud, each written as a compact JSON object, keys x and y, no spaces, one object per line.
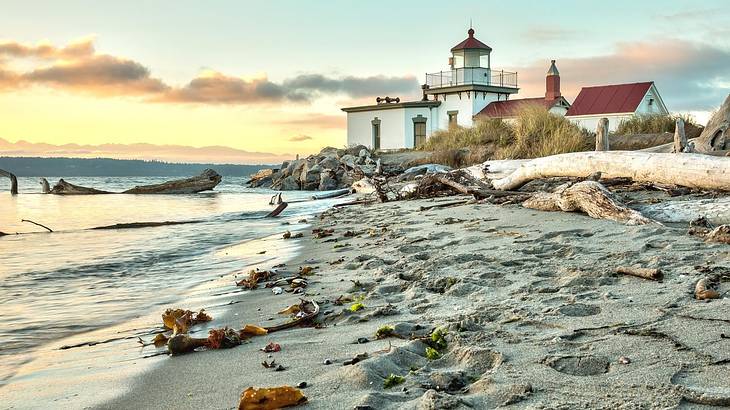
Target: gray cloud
{"x":548,"y":34}
{"x":299,"y":138}
{"x":353,"y":86}
{"x":103,"y":75}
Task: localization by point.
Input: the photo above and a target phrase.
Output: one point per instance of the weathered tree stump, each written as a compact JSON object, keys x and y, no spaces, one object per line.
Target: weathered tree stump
{"x":13,"y":181}
{"x":45,"y":187}
{"x":602,"y":135}
{"x":680,"y":139}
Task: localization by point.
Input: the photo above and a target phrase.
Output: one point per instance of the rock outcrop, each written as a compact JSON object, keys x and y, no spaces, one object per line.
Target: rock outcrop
{"x":331,"y":169}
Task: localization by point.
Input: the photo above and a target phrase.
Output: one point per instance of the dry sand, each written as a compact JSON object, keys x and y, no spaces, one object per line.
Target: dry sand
{"x":535,"y":313}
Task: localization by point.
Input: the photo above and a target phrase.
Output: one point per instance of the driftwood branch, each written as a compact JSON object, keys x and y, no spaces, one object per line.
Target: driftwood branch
{"x":646,"y":273}
{"x":690,"y":170}
{"x":37,"y":224}
{"x":589,"y":197}
{"x":13,"y":181}
{"x":45,"y":187}
{"x":279,"y":209}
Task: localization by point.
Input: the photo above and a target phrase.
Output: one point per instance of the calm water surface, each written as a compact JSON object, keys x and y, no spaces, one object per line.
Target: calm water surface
{"x":76,"y":280}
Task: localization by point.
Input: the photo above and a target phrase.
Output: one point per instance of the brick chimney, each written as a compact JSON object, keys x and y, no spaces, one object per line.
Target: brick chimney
{"x":552,"y":82}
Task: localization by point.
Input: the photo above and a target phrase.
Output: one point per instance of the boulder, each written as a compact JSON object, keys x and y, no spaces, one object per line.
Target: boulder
{"x":355,"y":150}
{"x":289,"y":184}
{"x":349,"y":160}
{"x":364,"y":153}
{"x":327,"y":181}
{"x":309,"y":178}
{"x":329,"y":162}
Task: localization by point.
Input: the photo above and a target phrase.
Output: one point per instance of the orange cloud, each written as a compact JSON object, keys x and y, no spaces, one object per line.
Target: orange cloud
{"x":77,"y":67}
{"x":299,"y":138}
{"x":317,"y":121}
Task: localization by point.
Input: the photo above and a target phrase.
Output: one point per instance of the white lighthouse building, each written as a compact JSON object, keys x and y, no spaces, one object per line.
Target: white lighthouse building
{"x":450,"y":97}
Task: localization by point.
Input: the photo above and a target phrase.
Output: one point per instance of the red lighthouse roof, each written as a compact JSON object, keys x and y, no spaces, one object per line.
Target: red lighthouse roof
{"x":471,"y":43}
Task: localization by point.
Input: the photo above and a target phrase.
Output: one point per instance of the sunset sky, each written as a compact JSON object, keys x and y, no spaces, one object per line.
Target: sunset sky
{"x":270,"y":76}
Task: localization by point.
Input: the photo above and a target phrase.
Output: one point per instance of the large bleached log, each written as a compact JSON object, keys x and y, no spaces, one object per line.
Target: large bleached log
{"x":716,"y":211}
{"x":206,"y":181}
{"x":13,"y":181}
{"x":589,"y":197}
{"x":495,"y":169}
{"x":203,"y":182}
{"x":690,"y":170}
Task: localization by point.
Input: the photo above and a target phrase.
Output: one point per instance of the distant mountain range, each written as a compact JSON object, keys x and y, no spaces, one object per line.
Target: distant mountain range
{"x":167,"y":153}
{"x":107,"y":167}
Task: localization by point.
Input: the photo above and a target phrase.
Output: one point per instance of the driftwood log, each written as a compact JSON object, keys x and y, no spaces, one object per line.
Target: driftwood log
{"x":690,"y":170}
{"x":680,"y":138}
{"x":589,"y":197}
{"x":206,"y":181}
{"x":13,"y":181}
{"x":602,"y":135}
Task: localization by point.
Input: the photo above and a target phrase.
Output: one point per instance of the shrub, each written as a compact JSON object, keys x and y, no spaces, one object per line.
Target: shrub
{"x":539,"y":133}
{"x":655,"y":124}
{"x":393,"y":380}
{"x":432,"y":354}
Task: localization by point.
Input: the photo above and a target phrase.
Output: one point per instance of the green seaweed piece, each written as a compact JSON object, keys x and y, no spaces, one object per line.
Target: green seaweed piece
{"x":393,"y":380}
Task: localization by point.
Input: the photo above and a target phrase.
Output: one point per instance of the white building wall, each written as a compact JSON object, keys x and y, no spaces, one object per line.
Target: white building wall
{"x":590,"y":122}
{"x":647,"y":107}
{"x":468,"y":106}
{"x":559,"y":110}
{"x":392,"y":132}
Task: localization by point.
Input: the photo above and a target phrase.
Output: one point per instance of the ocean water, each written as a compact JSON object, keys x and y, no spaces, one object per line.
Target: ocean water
{"x":77,"y":285}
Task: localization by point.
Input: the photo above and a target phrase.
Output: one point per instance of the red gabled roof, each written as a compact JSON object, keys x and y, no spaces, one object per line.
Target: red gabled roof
{"x":609,"y":99}
{"x":471,"y":43}
{"x":509,"y":108}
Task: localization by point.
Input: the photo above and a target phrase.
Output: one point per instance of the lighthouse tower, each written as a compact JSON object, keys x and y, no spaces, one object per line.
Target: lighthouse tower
{"x":469,"y":84}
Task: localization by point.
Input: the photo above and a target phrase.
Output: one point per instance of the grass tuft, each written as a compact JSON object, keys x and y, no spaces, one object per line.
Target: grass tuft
{"x":656,"y":123}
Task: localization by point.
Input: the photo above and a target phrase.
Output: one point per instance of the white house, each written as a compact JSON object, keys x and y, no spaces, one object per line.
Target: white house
{"x":450,"y":97}
{"x":616,"y":102}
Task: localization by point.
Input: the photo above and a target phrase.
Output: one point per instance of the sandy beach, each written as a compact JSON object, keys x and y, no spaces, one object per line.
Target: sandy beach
{"x":534,"y":312}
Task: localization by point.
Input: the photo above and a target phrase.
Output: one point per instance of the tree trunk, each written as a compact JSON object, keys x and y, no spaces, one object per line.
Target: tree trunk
{"x":65,"y":188}
{"x":690,"y":170}
{"x":602,"y":135}
{"x":13,"y":181}
{"x":589,"y":197}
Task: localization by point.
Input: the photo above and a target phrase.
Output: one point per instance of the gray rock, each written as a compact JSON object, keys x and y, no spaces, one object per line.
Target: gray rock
{"x":289,"y":184}
{"x":364,"y":153}
{"x":368,"y":170}
{"x":329,"y":162}
{"x":355,"y":150}
{"x":327,"y":180}
{"x":348,"y":160}
{"x":309,"y":178}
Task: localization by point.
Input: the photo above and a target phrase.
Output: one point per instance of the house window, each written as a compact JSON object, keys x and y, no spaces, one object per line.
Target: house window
{"x":419,"y":130}
{"x":453,"y":118}
{"x":376,"y":133}
{"x":651,"y":101}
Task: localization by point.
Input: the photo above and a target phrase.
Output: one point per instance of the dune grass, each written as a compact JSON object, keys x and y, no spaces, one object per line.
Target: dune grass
{"x":535,"y":132}
{"x":654,"y":124}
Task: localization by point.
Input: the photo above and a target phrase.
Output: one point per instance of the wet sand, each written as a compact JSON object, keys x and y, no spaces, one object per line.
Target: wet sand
{"x":535,"y":315}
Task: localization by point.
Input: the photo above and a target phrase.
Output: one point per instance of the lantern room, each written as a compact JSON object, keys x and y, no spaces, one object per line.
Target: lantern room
{"x":470,"y":53}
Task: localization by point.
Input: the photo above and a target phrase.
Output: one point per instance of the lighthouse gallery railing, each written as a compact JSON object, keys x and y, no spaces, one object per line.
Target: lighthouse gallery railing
{"x":472,"y":75}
